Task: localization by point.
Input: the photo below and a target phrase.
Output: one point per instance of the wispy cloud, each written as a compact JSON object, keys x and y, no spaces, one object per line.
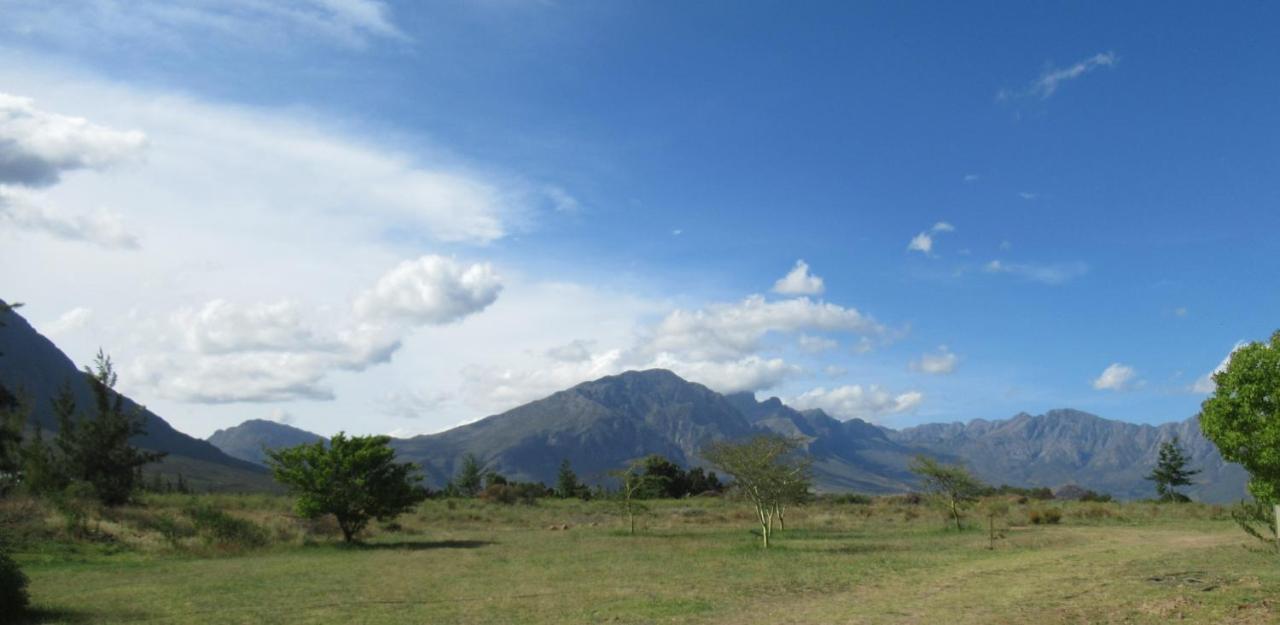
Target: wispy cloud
{"x":1116,"y":377}
{"x":1053,"y":78}
{"x":1045,"y":273}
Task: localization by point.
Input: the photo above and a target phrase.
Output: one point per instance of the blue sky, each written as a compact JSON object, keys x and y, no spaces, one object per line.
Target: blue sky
{"x":395,"y":217}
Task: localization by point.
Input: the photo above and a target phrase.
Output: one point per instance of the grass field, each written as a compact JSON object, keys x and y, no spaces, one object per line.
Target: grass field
{"x":694,"y":562}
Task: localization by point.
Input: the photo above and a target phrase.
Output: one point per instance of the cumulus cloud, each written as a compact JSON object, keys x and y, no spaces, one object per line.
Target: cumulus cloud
{"x":1045,"y":273}
{"x":1205,"y":384}
{"x":430,"y":290}
{"x":732,"y":331}
{"x":799,"y":282}
{"x":37,"y":147}
{"x":221,"y":327}
{"x":1116,"y":377}
{"x":815,"y":344}
{"x":855,"y":401}
{"x":1053,"y":78}
{"x":751,"y":373}
{"x":942,"y":362}
{"x":923,"y":242}
{"x":70,"y":321}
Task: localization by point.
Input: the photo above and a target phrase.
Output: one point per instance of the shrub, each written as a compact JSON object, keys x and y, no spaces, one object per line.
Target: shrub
{"x":13,"y":586}
{"x":222,"y":529}
{"x":1047,"y":516}
{"x":849,"y":499}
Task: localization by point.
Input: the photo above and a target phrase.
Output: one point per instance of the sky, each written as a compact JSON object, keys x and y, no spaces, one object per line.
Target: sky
{"x":398,"y":217}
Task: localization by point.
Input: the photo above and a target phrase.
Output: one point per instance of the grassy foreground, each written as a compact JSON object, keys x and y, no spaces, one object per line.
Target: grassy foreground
{"x":694,"y":562}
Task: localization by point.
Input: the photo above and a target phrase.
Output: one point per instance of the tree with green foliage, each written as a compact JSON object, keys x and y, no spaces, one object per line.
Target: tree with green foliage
{"x":768,"y":469}
{"x":631,"y":479}
{"x":1171,"y":471}
{"x":952,"y":485}
{"x":470,"y":479}
{"x":353,"y":478}
{"x":94,"y":448}
{"x":567,"y":484}
{"x":1242,"y":417}
{"x":13,"y":418}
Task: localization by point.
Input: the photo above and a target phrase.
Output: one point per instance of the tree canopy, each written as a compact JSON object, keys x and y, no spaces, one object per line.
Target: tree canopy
{"x":1171,"y":471}
{"x":1242,"y":417}
{"x":769,"y":470}
{"x":953,"y":485}
{"x":353,"y":478}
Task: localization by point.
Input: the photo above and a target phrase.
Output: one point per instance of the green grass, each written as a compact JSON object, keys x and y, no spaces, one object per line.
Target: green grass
{"x":694,"y":562}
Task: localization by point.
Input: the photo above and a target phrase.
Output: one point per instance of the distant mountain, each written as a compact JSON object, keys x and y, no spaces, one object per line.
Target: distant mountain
{"x":1069,"y":446}
{"x":597,"y":426}
{"x":250,"y":440}
{"x":34,"y":368}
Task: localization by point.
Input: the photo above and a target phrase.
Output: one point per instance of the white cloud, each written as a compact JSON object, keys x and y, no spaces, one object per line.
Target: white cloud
{"x":799,"y":282}
{"x":1053,"y":78}
{"x":750,"y":373}
{"x":731,"y":331}
{"x":942,"y":362}
{"x":431,"y":289}
{"x":1116,"y":377}
{"x":922,"y":243}
{"x":1046,"y":273}
{"x":815,"y":344}
{"x":70,"y":321}
{"x":971,"y":177}
{"x":30,"y":211}
{"x":221,"y":327}
{"x":1205,"y":384}
{"x":576,"y":350}
{"x":37,"y":147}
{"x":280,"y":415}
{"x":176,"y":25}
{"x":855,"y":401}
{"x":1027,"y":195}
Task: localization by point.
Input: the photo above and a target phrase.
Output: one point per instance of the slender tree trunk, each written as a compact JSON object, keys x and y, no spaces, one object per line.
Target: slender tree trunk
{"x":991,"y":531}
{"x":782,"y":519}
{"x":1276,"y":511}
{"x":955,"y":513}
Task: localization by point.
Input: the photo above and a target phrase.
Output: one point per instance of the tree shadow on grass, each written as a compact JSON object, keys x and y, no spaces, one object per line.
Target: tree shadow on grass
{"x":37,"y":615}
{"x":424,"y":545}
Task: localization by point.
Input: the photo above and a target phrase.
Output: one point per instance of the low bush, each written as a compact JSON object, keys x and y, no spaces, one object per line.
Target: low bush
{"x":223,"y":530}
{"x":13,"y":587}
{"x":1045,"y":516}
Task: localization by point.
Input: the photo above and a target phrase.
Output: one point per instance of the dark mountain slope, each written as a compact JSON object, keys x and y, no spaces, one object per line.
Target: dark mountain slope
{"x":33,"y":367}
{"x":249,"y":440}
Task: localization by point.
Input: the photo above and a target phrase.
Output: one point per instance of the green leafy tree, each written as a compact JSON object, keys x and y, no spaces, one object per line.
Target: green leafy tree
{"x":470,"y":479}
{"x":1171,"y":471}
{"x":94,"y":448}
{"x":768,"y":469}
{"x":632,"y":483}
{"x":1242,"y":417}
{"x":353,"y":478}
{"x":13,"y":416}
{"x":952,"y":485}
{"x":567,"y":484}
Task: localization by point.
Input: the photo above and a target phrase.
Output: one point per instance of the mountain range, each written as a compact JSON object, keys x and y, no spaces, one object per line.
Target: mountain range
{"x":33,"y":368}
{"x":599,"y":425}
{"x":602,"y":424}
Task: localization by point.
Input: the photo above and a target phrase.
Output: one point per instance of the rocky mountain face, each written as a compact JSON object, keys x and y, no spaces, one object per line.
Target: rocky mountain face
{"x":250,"y":440}
{"x":1073,"y":447}
{"x":33,"y":368}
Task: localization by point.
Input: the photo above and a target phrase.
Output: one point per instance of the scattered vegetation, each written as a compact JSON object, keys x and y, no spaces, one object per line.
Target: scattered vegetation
{"x":769,"y":471}
{"x":1171,"y":472}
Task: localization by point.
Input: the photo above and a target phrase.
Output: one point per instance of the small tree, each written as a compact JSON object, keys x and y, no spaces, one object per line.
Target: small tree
{"x":767,"y":469}
{"x":95,"y":448}
{"x":13,"y":416}
{"x":1171,"y":471}
{"x":1242,"y":418}
{"x":567,"y":484}
{"x":355,"y":479}
{"x":470,"y":479}
{"x":953,"y":485}
{"x":632,"y":481}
